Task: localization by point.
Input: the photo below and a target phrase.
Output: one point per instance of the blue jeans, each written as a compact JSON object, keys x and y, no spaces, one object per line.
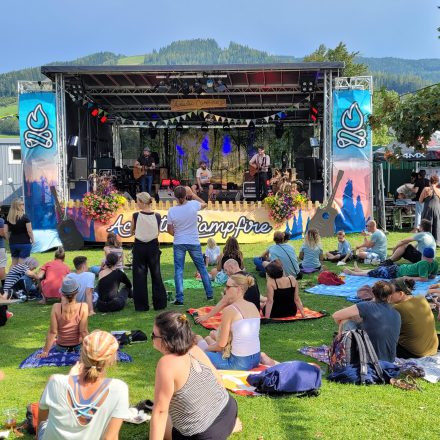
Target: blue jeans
{"x":258,"y":261}
{"x":146,"y":183}
{"x":233,"y":362}
{"x":27,"y":284}
{"x":195,"y":252}
{"x":418,"y":214}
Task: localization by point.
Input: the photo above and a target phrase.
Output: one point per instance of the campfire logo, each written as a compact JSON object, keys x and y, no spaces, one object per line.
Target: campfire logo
{"x":38,"y":133}
{"x":353,"y":131}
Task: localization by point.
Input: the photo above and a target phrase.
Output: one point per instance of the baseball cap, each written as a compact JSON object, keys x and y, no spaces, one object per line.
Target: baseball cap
{"x":401,"y":285}
{"x":428,"y":253}
{"x":99,"y":346}
{"x":69,"y":286}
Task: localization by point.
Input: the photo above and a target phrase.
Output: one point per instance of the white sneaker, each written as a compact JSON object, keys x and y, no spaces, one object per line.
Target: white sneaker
{"x":341,"y":263}
{"x":367,"y":261}
{"x":375,"y":261}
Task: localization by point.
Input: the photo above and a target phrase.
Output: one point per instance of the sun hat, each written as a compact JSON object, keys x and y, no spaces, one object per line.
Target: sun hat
{"x":428,"y":252}
{"x":99,"y":346}
{"x":69,"y":286}
{"x":402,"y":286}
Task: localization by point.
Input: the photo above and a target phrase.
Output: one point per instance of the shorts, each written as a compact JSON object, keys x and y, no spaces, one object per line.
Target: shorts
{"x":387,"y":272}
{"x":233,"y":362}
{"x":220,"y":429}
{"x":341,"y":256}
{"x":412,"y":254}
{"x":221,"y":278}
{"x":67,"y":349}
{"x":3,"y":258}
{"x":206,"y":186}
{"x":20,"y":250}
{"x":372,"y":256}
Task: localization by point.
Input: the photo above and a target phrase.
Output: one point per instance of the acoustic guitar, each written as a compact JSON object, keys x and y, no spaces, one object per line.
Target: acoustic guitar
{"x":70,"y":237}
{"x":324,"y":218}
{"x":253,"y":169}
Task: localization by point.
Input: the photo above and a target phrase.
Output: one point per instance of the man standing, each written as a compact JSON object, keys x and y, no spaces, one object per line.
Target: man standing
{"x":420,"y":183}
{"x":182,"y":223}
{"x":146,"y":162}
{"x":404,"y":248}
{"x":261,"y":163}
{"x":203,"y":176}
{"x":374,"y":246}
{"x":3,"y":258}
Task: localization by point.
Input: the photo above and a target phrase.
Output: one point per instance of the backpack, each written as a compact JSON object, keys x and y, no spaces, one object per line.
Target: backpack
{"x":329,"y":278}
{"x":288,"y":377}
{"x":351,"y":355}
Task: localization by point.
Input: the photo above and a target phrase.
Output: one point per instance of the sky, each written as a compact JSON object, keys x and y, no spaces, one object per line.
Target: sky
{"x":38,"y":32}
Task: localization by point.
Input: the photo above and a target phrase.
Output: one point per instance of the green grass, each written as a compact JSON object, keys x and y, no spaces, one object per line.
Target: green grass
{"x":6,"y":110}
{"x":132,"y":60}
{"x":341,"y":411}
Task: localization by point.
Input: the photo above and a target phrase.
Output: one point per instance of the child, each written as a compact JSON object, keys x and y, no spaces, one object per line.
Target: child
{"x":112,"y":245}
{"x":311,"y":252}
{"x":343,"y":253}
{"x":212,"y":253}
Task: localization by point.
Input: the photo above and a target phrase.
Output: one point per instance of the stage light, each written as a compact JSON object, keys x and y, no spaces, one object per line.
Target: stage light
{"x":307,"y":86}
{"x":221,"y":88}
{"x":226,"y":126}
{"x":204,"y":127}
{"x":197,"y":88}
{"x":152,"y":131}
{"x":209,"y":85}
{"x":251,"y":125}
{"x":175,"y":87}
{"x":103,"y":118}
{"x":94,"y":112}
{"x":162,"y":87}
{"x":314,"y":112}
{"x":185,"y":88}
{"x":179,"y":127}
{"x":279,"y":130}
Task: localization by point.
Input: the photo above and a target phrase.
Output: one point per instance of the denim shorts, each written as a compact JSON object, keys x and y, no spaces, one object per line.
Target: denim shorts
{"x":387,"y":272}
{"x":20,"y":250}
{"x":64,"y":349}
{"x":233,"y":362}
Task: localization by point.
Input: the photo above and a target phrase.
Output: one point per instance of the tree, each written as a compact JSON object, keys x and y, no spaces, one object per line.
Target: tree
{"x":339,"y":53}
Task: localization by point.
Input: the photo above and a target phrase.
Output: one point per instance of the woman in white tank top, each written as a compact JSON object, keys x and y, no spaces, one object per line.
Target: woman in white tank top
{"x":240,"y":323}
{"x":145,"y":226}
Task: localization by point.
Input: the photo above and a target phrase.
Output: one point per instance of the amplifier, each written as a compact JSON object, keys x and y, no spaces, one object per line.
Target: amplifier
{"x":105,"y":163}
{"x":228,"y":196}
{"x":249,"y":192}
{"x":166,"y":195}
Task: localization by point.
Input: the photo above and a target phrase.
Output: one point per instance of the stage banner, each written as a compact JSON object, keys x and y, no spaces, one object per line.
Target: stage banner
{"x":247,"y":225}
{"x":352,"y":153}
{"x":37,"y":120}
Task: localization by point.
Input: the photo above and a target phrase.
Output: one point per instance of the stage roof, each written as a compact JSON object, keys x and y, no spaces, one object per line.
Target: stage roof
{"x":144,"y":92}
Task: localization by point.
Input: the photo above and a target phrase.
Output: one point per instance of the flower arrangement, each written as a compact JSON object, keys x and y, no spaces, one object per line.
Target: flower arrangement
{"x":101,"y":204}
{"x":283,"y":205}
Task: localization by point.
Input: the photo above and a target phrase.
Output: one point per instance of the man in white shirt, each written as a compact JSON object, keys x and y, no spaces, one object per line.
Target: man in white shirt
{"x":261,"y":163}
{"x":85,"y":280}
{"x":203,"y":176}
{"x":182,"y":223}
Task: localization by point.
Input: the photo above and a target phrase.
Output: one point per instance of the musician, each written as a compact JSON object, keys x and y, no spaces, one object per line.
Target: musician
{"x":260,"y":162}
{"x":146,"y":162}
{"x":203,"y":176}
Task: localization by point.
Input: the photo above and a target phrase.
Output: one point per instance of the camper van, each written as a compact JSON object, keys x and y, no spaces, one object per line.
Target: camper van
{"x":11,"y":172}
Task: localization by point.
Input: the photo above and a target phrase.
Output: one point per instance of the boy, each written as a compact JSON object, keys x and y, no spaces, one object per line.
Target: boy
{"x":85,"y":280}
{"x":343,"y":253}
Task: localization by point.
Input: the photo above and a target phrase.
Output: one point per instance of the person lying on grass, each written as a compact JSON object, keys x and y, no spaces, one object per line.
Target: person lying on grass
{"x":190,"y":400}
{"x":85,"y":404}
{"x":252,"y":294}
{"x":68,"y":321}
{"x":424,"y":270}
{"x":237,"y":343}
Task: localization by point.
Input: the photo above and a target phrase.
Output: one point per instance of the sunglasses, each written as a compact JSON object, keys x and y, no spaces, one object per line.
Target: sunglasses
{"x":229,"y":287}
{"x":153,"y":336}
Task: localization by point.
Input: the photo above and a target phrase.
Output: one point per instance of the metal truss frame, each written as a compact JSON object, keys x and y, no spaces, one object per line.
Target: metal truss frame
{"x":60,"y":95}
{"x":354,"y":83}
{"x":327,"y":134}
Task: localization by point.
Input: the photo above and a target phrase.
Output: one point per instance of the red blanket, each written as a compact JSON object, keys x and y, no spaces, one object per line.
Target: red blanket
{"x":214,"y":322}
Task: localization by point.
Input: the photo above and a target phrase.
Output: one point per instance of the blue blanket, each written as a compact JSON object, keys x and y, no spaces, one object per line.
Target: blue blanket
{"x":353,"y":283}
{"x":56,"y":359}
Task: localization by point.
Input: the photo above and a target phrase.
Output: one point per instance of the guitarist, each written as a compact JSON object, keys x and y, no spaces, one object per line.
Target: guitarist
{"x":260,"y":162}
{"x":146,"y":163}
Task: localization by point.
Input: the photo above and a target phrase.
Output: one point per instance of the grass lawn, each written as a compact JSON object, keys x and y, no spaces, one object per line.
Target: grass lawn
{"x":341,"y":411}
{"x":6,"y":110}
{"x":132,"y":60}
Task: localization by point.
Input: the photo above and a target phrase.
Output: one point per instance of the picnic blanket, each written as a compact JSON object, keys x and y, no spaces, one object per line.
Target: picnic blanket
{"x":213,"y":323}
{"x":235,"y":380}
{"x":191,"y":283}
{"x":429,"y":364}
{"x":56,"y":359}
{"x":354,"y":282}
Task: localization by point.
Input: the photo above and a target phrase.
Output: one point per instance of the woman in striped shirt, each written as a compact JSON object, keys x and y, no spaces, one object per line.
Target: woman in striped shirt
{"x":190,"y":400}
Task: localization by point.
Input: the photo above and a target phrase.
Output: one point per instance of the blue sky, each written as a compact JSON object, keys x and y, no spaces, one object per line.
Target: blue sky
{"x":38,"y":32}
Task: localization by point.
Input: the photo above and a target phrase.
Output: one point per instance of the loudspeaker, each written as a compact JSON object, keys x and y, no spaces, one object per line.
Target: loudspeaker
{"x":249,"y":192}
{"x":105,"y":163}
{"x":312,"y":168}
{"x":78,"y":188}
{"x":317,"y":191}
{"x":80,"y":168}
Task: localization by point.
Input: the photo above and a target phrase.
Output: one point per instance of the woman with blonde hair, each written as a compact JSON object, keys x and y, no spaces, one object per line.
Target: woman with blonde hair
{"x":85,"y":404}
{"x":145,"y":226}
{"x":18,"y":230}
{"x":240,"y":325}
{"x":311,"y":252}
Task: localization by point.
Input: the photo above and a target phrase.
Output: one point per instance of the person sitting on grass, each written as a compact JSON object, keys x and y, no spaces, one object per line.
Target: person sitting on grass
{"x":424,"y":270}
{"x":68,"y":321}
{"x":85,"y":404}
{"x":85,"y":280}
{"x":110,"y":298}
{"x":377,"y":318}
{"x":22,"y":278}
{"x":280,"y":251}
{"x":311,"y":251}
{"x":190,"y":400}
{"x":51,"y":276}
{"x":418,"y":336}
{"x":112,"y":245}
{"x":374,"y":246}
{"x":404,"y":248}
{"x":237,"y":345}
{"x":343,"y":253}
{"x":212,"y":253}
{"x":282,"y":294}
{"x":252,"y":293}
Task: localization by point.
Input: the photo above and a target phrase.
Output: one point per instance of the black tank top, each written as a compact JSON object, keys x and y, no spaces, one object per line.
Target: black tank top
{"x":227,"y":257}
{"x":283,"y":302}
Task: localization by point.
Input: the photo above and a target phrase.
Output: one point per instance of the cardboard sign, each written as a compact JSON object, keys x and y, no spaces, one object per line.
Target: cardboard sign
{"x":179,"y":105}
